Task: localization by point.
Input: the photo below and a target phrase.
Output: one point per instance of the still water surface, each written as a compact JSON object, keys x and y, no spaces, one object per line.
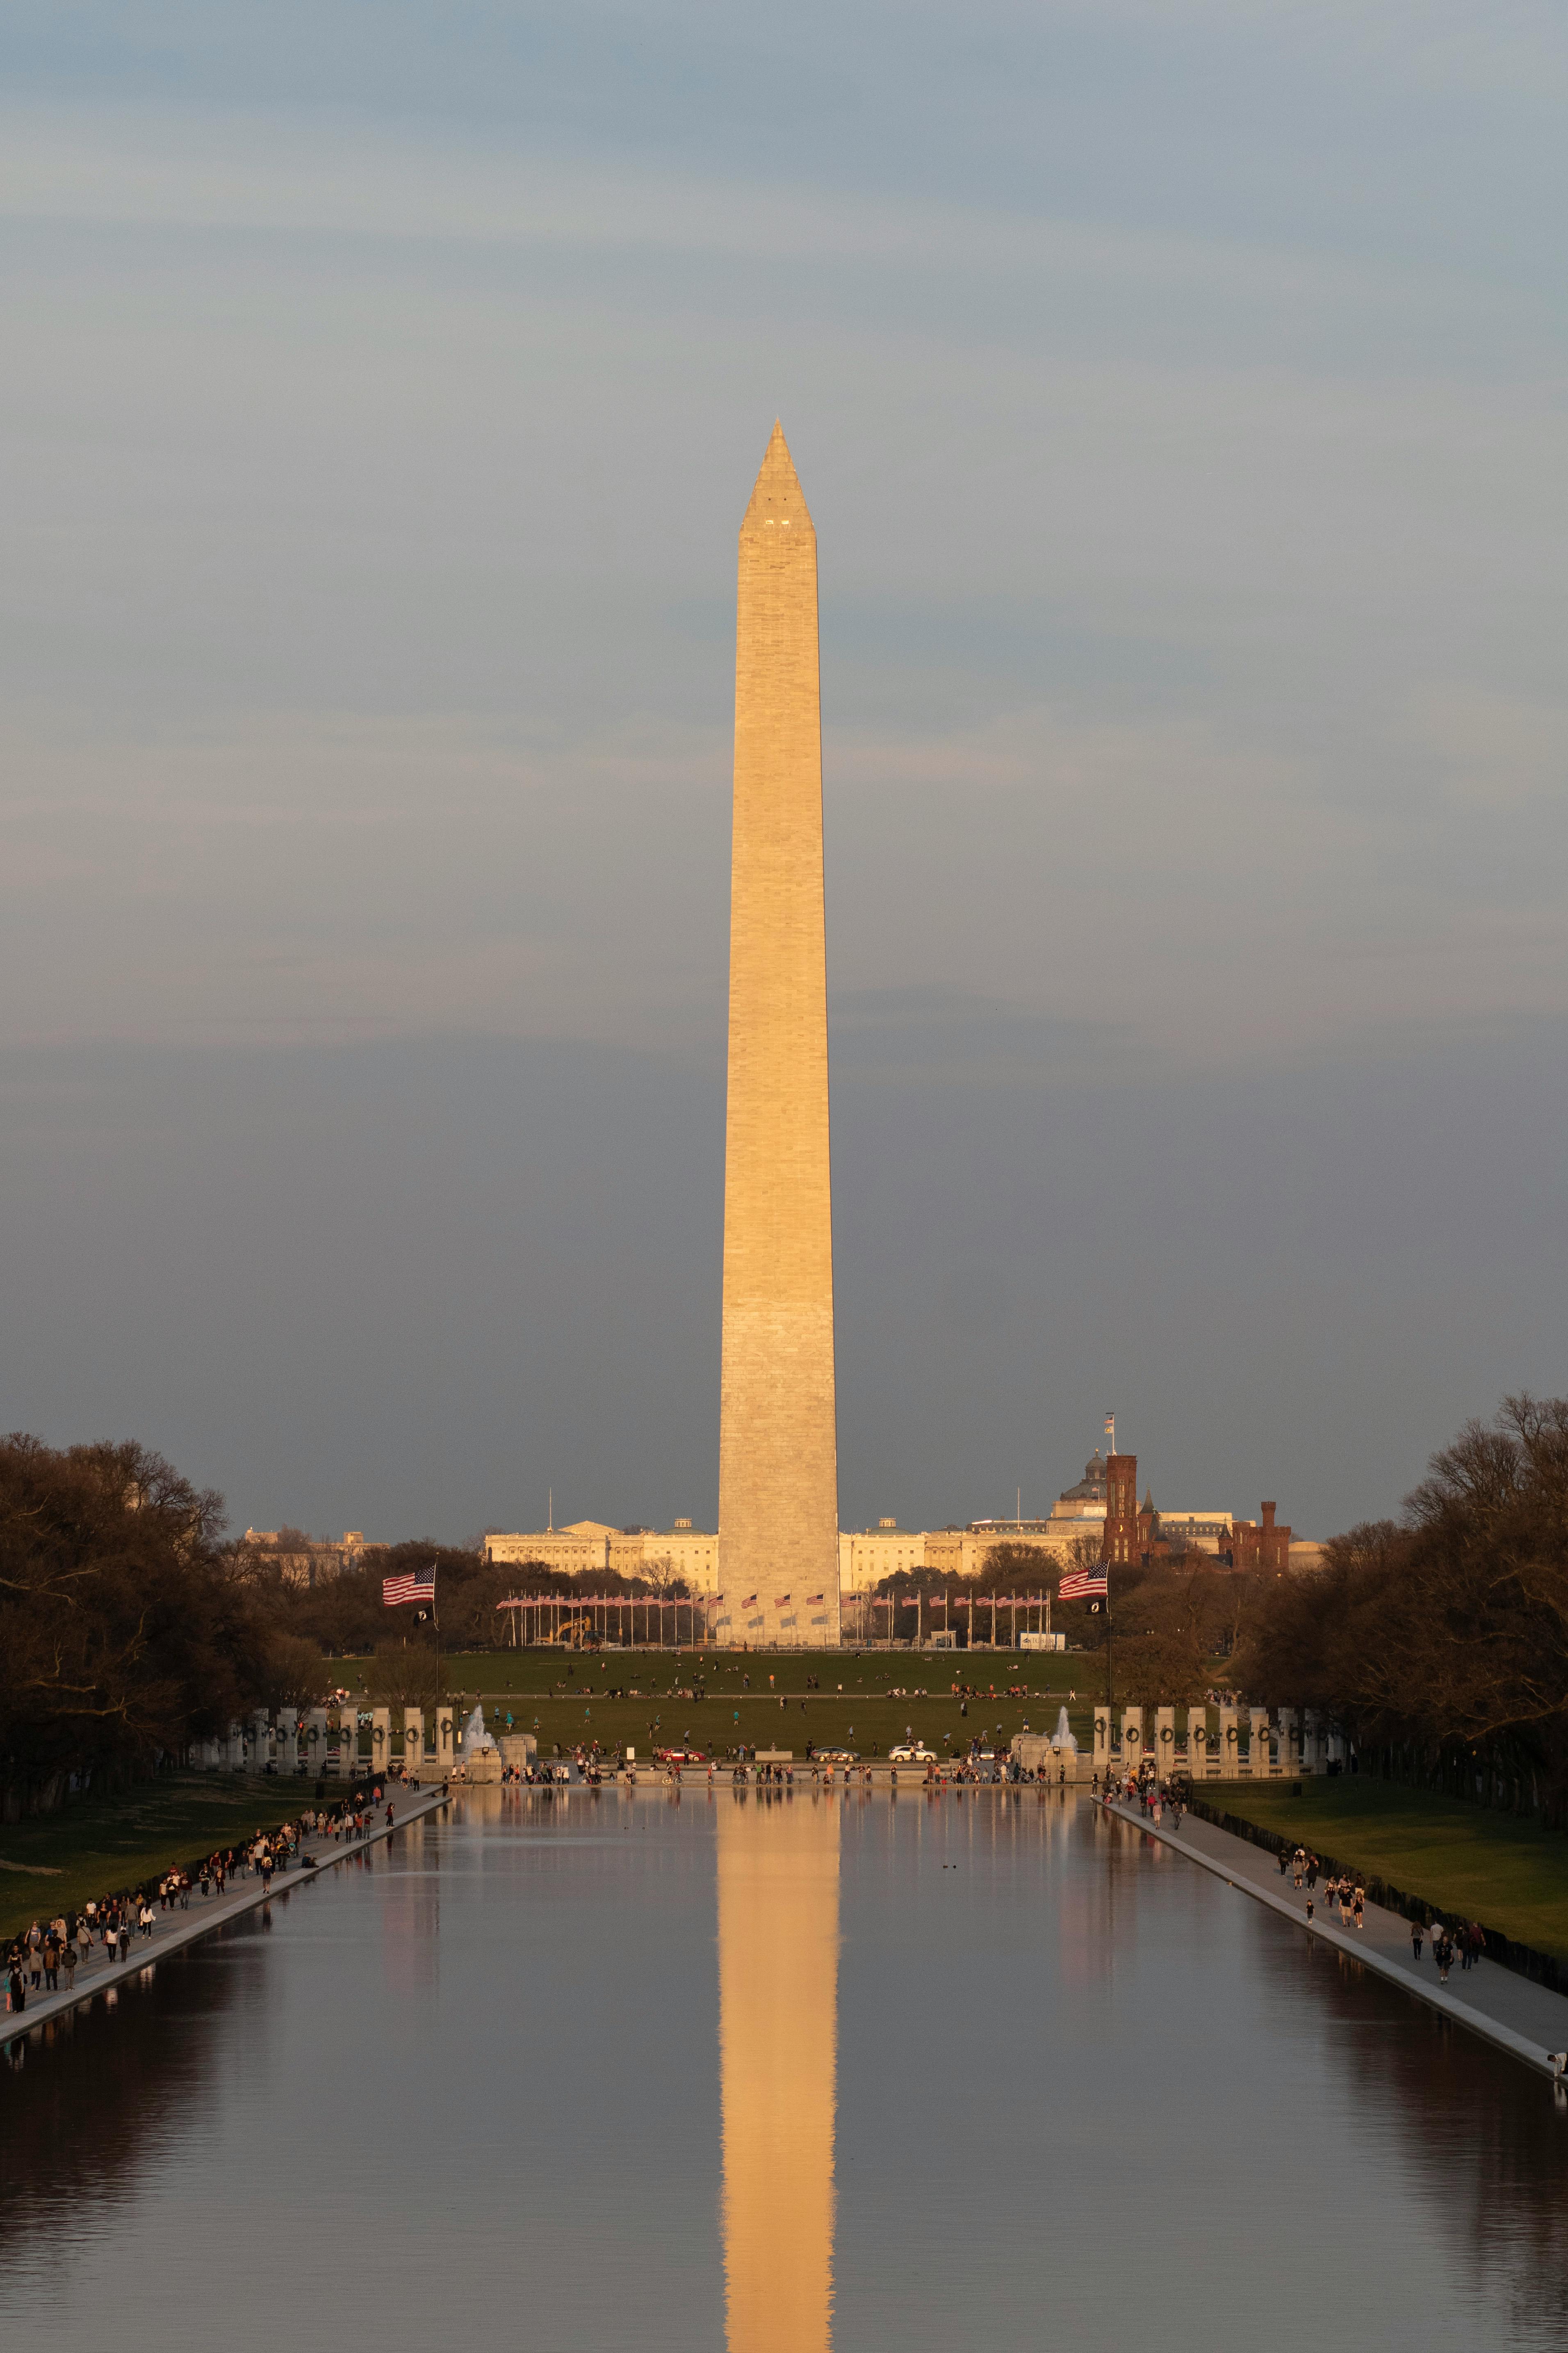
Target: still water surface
{"x":735,"y":2076}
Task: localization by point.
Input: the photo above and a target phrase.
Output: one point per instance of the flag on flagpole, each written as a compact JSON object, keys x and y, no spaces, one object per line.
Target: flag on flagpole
{"x":1082,"y":1582}
{"x":813,"y":1599}
{"x":414,"y":1588}
{"x":750,"y":1602}
{"x":781,"y":1600}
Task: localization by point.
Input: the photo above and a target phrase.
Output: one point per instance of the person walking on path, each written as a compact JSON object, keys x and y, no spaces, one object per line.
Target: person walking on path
{"x":1416,"y":1934}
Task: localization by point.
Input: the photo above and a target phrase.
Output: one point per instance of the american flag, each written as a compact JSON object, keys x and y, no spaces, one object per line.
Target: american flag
{"x":415,"y":1587}
{"x":749,"y":1601}
{"x":813,"y":1599}
{"x":1082,"y":1582}
{"x":781,"y":1600}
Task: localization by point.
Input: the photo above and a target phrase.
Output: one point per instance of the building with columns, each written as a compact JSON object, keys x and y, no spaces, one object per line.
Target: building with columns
{"x":1100,"y":1513}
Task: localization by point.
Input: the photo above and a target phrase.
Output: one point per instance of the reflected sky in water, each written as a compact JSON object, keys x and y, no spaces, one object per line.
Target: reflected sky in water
{"x":731,"y":2076}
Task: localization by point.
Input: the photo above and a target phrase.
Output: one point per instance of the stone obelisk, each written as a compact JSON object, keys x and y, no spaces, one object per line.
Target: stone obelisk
{"x":778,"y":1452}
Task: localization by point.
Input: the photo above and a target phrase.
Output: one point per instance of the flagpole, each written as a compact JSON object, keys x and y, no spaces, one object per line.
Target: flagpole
{"x":435,"y":1621}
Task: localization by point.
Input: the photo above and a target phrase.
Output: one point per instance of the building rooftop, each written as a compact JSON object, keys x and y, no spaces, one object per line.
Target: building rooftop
{"x":1091,"y":1488}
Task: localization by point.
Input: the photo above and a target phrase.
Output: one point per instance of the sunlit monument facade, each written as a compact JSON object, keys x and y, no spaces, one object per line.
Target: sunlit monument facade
{"x":778,"y":1455}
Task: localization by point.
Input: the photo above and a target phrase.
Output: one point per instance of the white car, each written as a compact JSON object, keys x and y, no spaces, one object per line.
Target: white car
{"x":911,"y":1753}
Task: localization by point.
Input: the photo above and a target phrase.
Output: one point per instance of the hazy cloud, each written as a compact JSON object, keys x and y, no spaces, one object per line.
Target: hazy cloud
{"x":1178,"y":393}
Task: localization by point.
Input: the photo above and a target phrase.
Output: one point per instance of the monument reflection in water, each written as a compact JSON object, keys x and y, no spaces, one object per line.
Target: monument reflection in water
{"x":706,"y":2074}
{"x":778,"y":2042}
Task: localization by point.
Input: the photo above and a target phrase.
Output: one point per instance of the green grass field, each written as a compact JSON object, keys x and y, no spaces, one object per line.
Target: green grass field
{"x":564,"y":1698}
{"x":1490,"y":1867}
{"x":96,"y":1845}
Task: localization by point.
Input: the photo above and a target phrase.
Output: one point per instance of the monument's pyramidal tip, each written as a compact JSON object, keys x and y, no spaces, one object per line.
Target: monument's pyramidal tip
{"x":777,"y":500}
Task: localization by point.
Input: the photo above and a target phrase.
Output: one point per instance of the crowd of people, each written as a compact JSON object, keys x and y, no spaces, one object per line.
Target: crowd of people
{"x":45,"y":1957}
{"x":592,"y":1768}
{"x":1153,"y":1797}
{"x":1464,"y":1941}
{"x":1343,"y":1892}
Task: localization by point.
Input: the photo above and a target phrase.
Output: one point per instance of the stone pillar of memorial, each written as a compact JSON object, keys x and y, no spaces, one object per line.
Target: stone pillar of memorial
{"x":1260,"y":1757}
{"x":1289,"y":1760}
{"x":1131,"y":1739}
{"x":1198,"y":1739}
{"x":1311,"y":1742}
{"x":1102,"y":1743}
{"x":259,"y":1753}
{"x":1164,"y":1742}
{"x":284,"y":1749}
{"x":413,"y":1742}
{"x":1230,"y":1744}
{"x":348,"y":1741}
{"x":443,"y":1743}
{"x":316,"y":1741}
{"x":233,"y":1748}
{"x":380,"y":1739}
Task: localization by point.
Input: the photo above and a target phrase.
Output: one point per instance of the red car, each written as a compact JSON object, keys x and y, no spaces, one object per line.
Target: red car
{"x":680,"y":1756}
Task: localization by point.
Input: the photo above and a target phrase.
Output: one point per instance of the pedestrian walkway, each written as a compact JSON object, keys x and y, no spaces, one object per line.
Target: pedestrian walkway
{"x":1526,"y":2021}
{"x":176,"y":1929}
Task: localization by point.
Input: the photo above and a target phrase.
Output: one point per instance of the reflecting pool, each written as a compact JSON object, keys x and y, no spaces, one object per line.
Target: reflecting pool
{"x":726,"y":2075}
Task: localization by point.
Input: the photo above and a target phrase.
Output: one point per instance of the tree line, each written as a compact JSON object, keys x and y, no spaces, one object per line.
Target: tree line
{"x":1439,"y":1640}
{"x":130,"y":1626}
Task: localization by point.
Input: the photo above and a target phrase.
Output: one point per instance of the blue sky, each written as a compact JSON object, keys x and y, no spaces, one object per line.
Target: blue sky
{"x":1179,"y":394}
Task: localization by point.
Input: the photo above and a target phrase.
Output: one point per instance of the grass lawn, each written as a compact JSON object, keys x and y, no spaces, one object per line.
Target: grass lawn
{"x":564,"y":1698}
{"x":95,"y":1846}
{"x":544,"y":1670}
{"x":1488,"y":1866}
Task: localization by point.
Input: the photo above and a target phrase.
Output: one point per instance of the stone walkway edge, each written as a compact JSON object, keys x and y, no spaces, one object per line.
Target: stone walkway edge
{"x":195,"y":1925}
{"x":1517,"y":2046}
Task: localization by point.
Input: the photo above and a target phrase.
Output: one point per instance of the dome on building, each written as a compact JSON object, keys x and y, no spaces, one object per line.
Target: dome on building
{"x":1091,"y":1488}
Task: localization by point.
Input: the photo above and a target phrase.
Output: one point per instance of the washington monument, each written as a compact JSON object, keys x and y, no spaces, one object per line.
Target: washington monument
{"x":778,"y":1452}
